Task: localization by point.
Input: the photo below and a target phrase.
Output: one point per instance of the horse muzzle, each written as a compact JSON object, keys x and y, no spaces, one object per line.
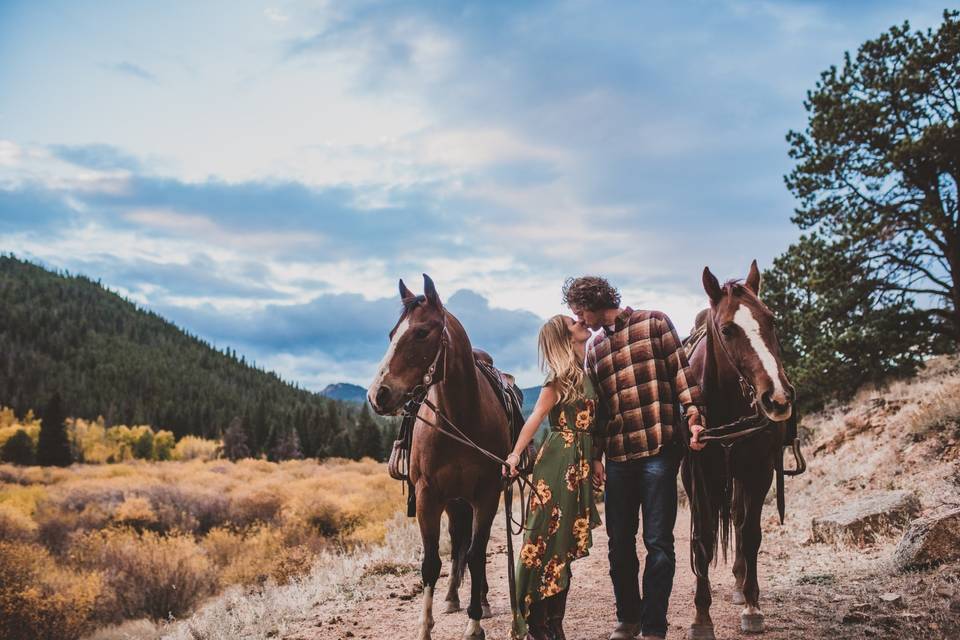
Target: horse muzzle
{"x":385,"y":401}
{"x":777,"y":406}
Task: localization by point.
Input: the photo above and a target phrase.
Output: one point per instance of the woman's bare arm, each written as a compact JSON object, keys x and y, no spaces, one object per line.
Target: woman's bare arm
{"x":548,"y":398}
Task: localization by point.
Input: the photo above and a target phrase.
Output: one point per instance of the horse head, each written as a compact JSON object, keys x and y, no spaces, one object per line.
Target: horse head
{"x":744,"y":327}
{"x":416,"y":343}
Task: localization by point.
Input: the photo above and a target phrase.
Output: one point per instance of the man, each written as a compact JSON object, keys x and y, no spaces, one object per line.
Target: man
{"x":640,"y":371}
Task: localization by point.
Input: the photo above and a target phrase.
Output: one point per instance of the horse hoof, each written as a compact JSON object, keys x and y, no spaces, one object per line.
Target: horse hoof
{"x":452,"y":606}
{"x":701,"y":632}
{"x":736,"y":597}
{"x":485,"y":612}
{"x":474,"y":631}
{"x":751,"y":622}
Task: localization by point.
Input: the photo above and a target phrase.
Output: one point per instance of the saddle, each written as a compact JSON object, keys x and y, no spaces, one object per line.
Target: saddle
{"x":511,"y":400}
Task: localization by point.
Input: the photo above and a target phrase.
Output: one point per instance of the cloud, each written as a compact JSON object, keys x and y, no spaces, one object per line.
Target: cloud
{"x":101,"y":157}
{"x":342,"y":337}
{"x":9,"y":153}
{"x":275,"y":15}
{"x":132,"y":70}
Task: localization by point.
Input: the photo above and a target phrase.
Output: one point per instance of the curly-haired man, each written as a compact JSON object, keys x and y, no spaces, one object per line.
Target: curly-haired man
{"x":640,"y":371}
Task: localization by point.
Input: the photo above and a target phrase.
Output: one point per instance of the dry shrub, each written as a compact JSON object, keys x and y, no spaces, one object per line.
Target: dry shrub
{"x":15,"y":525}
{"x":136,"y":512}
{"x":257,"y":506}
{"x":326,"y":515}
{"x":149,"y":575}
{"x":187,"y":509}
{"x":937,"y":410}
{"x":194,"y":448}
{"x":39,"y":600}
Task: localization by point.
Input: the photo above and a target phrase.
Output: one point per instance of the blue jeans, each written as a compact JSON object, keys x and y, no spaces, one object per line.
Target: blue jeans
{"x":647,"y":486}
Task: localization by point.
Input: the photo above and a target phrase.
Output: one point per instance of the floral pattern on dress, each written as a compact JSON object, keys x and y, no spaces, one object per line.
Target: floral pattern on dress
{"x":561,"y":512}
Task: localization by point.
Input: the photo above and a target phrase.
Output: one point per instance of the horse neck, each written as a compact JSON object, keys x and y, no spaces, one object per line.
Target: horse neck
{"x":721,"y":386}
{"x":458,"y":395}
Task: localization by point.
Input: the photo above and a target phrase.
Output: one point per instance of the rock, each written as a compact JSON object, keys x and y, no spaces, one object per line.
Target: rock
{"x":894,"y":600}
{"x":930,"y":541}
{"x":863,"y":521}
{"x":955,"y":605}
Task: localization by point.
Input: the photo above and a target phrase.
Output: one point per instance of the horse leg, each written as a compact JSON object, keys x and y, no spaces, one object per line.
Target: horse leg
{"x":429,"y":511}
{"x":740,"y":563}
{"x":484,"y":603}
{"x":704,"y":529}
{"x":483,"y":515}
{"x":460,"y":518}
{"x":755,"y":490}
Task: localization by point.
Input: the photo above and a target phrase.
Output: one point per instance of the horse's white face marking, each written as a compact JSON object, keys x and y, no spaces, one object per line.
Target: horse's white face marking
{"x":745,"y":320}
{"x":426,"y":615}
{"x":384,"y":367}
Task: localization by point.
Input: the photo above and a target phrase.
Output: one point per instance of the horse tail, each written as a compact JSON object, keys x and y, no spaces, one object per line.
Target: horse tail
{"x":460,"y":516}
{"x":710,"y":511}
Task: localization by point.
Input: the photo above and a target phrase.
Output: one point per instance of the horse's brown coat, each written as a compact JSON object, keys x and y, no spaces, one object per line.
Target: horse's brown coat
{"x":751,"y":460}
{"x":447,"y":475}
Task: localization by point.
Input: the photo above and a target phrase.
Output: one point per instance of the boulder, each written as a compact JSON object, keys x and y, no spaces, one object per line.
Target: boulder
{"x":929,"y":541}
{"x":866,"y":519}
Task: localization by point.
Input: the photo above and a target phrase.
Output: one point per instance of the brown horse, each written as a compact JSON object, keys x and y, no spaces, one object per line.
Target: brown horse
{"x":430,"y":351}
{"x":737,"y":364}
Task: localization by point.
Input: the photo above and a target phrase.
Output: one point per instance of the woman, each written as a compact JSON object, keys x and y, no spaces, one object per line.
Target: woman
{"x":562,"y":511}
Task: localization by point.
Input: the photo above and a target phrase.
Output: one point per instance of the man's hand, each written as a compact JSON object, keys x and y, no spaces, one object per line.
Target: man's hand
{"x":599,"y":476}
{"x":695,"y":431}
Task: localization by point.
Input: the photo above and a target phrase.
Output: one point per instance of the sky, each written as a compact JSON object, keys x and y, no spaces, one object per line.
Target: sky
{"x":263,"y":173}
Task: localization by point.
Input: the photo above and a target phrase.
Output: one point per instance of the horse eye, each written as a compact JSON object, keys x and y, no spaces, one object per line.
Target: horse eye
{"x":727,"y":330}
{"x":420,"y":334}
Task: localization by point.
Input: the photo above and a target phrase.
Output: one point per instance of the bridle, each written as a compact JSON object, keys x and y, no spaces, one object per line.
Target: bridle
{"x":419,"y":393}
{"x":727,"y":434}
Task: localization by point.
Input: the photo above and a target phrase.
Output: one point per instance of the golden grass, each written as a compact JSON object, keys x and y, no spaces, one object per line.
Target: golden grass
{"x":157,"y":538}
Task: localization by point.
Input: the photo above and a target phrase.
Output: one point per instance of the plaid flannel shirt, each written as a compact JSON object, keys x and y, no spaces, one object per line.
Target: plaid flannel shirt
{"x":640,"y":371}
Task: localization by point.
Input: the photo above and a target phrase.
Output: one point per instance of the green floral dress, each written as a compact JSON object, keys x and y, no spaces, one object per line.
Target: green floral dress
{"x":563,"y":512}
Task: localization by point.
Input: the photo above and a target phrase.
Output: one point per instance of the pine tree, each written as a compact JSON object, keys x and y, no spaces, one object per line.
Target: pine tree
{"x":18,"y":449}
{"x":369,"y":440}
{"x":53,"y":446}
{"x":235,"y":440}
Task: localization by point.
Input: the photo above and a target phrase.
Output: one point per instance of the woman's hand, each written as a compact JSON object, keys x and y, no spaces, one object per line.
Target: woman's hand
{"x":599,"y":475}
{"x":695,"y":431}
{"x":510,"y":469}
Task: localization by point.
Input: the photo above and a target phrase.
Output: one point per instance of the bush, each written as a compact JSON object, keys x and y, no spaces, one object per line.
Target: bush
{"x":18,"y":449}
{"x":39,"y":600}
{"x":149,"y":574}
{"x":193,"y":448}
{"x":15,"y":525}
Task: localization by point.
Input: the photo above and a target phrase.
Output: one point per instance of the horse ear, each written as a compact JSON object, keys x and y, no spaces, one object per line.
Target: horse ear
{"x":405,"y":294}
{"x":430,"y":291}
{"x":753,"y":278}
{"x":711,"y":286}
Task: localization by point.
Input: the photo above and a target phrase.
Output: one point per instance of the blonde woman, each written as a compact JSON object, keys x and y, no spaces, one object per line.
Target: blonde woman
{"x":562,"y":513}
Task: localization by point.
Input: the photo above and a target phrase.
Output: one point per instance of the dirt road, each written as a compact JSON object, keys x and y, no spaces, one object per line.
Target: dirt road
{"x":808,"y":591}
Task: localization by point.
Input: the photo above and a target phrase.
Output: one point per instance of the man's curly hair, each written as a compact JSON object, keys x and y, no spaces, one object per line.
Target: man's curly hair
{"x":591,"y":293}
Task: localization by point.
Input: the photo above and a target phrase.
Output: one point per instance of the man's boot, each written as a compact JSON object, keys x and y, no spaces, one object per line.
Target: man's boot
{"x":556,"y":609}
{"x":625,"y":631}
{"x":537,"y":623}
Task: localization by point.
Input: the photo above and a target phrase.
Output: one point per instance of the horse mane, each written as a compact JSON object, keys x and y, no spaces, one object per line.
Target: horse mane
{"x":412,"y":303}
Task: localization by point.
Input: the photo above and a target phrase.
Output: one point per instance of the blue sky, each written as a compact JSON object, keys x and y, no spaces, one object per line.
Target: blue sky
{"x":262,"y":173}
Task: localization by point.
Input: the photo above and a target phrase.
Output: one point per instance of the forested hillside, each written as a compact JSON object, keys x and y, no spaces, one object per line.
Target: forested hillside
{"x":105,"y":356}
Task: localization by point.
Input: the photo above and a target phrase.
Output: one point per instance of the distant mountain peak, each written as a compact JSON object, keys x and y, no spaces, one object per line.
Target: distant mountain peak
{"x":345,"y":391}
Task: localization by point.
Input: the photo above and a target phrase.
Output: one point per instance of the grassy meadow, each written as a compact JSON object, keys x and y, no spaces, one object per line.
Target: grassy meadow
{"x":93,"y":545}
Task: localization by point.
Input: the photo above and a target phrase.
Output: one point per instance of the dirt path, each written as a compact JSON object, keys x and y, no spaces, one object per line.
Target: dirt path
{"x":808,"y":591}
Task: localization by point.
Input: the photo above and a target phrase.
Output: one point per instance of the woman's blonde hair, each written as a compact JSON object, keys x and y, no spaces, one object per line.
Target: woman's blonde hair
{"x":559,"y":361}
